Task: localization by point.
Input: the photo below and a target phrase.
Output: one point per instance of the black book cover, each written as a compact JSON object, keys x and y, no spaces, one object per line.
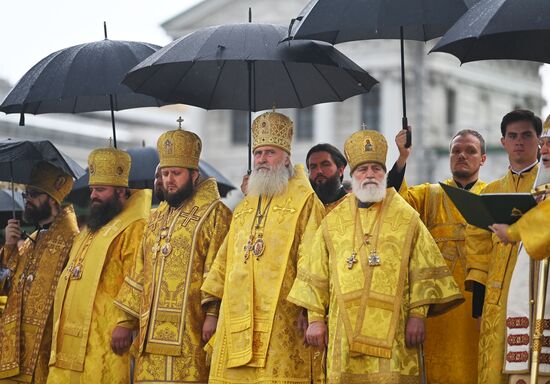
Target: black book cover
{"x":490,"y":208}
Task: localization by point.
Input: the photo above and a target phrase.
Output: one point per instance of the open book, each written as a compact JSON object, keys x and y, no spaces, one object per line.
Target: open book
{"x":490,"y":208}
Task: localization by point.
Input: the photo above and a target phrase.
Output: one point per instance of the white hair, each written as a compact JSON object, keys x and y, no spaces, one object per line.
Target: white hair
{"x":366,"y":192}
{"x":272,"y":181}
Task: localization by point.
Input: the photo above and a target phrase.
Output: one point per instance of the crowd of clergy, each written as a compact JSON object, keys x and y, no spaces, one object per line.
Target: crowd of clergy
{"x":305,"y":281}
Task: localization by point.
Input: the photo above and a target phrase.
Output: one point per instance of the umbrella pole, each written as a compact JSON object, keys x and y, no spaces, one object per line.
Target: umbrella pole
{"x":249,"y":170}
{"x":405,"y":123}
{"x":113,"y":119}
{"x":12,"y":192}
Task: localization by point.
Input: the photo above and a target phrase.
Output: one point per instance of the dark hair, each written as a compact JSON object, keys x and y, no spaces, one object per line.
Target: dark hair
{"x":336,"y":155}
{"x":521,"y":115}
{"x":476,"y":134}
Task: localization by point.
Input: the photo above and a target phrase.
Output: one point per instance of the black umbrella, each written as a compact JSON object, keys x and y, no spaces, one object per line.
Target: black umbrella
{"x":18,"y":158}
{"x":82,"y":78}
{"x":142,"y":175}
{"x":245,"y":67}
{"x":500,"y":29}
{"x":348,"y":20}
{"x":7,"y":206}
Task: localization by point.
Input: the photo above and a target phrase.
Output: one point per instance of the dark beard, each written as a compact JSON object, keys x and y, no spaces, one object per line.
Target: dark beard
{"x":33,"y":215}
{"x":328,"y":191}
{"x":462,"y":174}
{"x":159,"y":194}
{"x":175,"y":199}
{"x":103,"y":213}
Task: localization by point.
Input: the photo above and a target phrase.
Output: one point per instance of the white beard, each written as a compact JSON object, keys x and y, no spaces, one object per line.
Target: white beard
{"x":369,"y":193}
{"x":543,"y":176}
{"x":270,"y":182}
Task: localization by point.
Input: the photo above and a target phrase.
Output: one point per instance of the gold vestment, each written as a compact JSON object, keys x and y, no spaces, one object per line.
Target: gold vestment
{"x":163,"y":292}
{"x":84,"y":313}
{"x":491,"y":263}
{"x":533,"y":229}
{"x":25,"y":327}
{"x":450,"y":347}
{"x":257,"y":340}
{"x":368,"y":304}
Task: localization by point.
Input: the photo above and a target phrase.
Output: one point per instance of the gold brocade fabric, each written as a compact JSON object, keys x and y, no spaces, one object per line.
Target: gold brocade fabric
{"x":257,"y":340}
{"x":491,"y":263}
{"x":330,"y":206}
{"x":84,"y":314}
{"x":163,"y":292}
{"x":25,"y":327}
{"x":533,"y":229}
{"x":450,"y":346}
{"x":368,"y":306}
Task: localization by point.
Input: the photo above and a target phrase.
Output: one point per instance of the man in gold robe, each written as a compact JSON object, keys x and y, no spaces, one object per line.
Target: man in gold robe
{"x":533,"y":230}
{"x":325,"y":165}
{"x":181,"y":239}
{"x":257,"y":340}
{"x":451,"y":343}
{"x":25,"y":326}
{"x":102,"y":254}
{"x":375,"y":272}
{"x":490,"y":262}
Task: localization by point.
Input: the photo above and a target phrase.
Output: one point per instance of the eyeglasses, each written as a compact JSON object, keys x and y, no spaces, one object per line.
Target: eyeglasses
{"x":31,"y":194}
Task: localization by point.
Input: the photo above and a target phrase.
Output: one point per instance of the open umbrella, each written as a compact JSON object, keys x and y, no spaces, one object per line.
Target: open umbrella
{"x":18,"y":158}
{"x":142,"y":175}
{"x":500,"y":29}
{"x":245,"y":67}
{"x":82,"y":78}
{"x":348,"y":20}
{"x":7,"y":206}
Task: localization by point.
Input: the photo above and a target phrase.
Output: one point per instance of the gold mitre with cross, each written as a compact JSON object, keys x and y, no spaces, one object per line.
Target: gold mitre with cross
{"x":366,"y":146}
{"x":51,"y":180}
{"x":274,"y":129}
{"x":109,"y":166}
{"x":179,"y":148}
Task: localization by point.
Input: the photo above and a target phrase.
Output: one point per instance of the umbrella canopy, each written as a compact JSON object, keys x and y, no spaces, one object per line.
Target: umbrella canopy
{"x":7,"y":206}
{"x":348,"y":20}
{"x":142,"y":175}
{"x":18,"y":157}
{"x":82,"y":78}
{"x":210,"y":68}
{"x":500,"y":29}
{"x":245,"y":67}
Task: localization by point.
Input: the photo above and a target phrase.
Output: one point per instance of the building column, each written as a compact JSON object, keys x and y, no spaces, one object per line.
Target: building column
{"x":324,"y":123}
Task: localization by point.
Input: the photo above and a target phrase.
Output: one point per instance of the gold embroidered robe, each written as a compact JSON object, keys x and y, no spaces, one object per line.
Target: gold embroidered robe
{"x":533,"y":229}
{"x":450,"y":347}
{"x":368,"y":306}
{"x":25,"y":327}
{"x":257,"y":340}
{"x":491,"y":263}
{"x":84,"y":313}
{"x":164,"y":292}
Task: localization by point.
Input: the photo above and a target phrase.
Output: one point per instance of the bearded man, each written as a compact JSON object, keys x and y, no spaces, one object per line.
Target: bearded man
{"x":180,"y":242}
{"x":102,"y":254}
{"x":452,"y":337}
{"x":375,"y":272}
{"x":257,"y":340}
{"x":326,"y":164}
{"x":25,"y":327}
{"x":158,"y":189}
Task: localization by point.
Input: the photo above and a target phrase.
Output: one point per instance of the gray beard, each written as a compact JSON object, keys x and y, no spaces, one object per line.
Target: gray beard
{"x":271,"y":182}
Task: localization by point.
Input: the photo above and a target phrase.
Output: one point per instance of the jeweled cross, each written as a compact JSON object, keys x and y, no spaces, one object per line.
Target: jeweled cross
{"x":351,"y":260}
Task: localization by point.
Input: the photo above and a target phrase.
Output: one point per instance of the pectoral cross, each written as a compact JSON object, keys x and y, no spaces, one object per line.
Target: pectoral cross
{"x":188,"y":216}
{"x":351,"y":260}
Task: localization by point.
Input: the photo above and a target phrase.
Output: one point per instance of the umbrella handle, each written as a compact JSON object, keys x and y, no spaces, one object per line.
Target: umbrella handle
{"x":405,"y":123}
{"x":12,"y":192}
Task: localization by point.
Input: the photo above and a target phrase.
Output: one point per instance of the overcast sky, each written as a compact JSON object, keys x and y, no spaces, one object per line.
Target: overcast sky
{"x":32,"y":29}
